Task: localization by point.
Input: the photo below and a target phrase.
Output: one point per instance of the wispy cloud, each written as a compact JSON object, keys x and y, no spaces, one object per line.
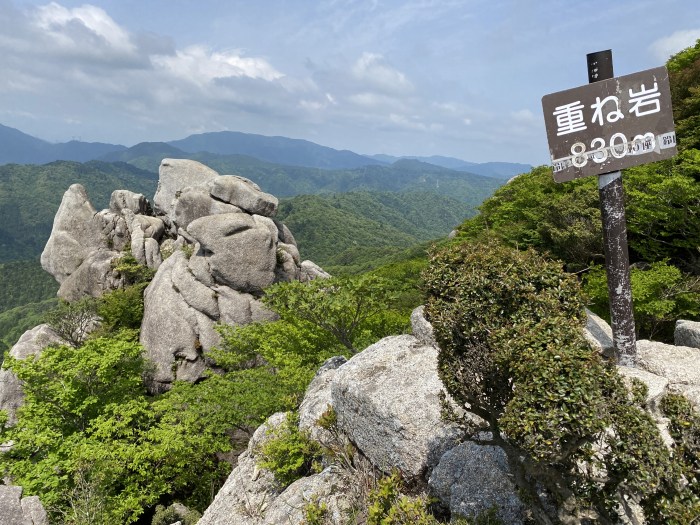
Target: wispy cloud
{"x":664,"y":47}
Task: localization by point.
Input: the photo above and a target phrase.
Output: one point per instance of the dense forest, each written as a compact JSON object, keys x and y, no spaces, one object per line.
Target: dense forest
{"x":97,"y":448}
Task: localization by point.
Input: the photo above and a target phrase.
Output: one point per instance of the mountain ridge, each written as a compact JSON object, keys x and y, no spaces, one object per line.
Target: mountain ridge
{"x":17,"y":147}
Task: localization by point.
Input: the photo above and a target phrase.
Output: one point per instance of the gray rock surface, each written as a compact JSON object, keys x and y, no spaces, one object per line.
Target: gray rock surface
{"x":329,"y":486}
{"x":687,"y":333}
{"x":471,"y":478}
{"x":34,"y":512}
{"x":128,"y":200}
{"x":599,"y":334}
{"x":421,"y":327}
{"x":75,"y":233}
{"x":310,"y":271}
{"x":174,"y":175}
{"x":249,"y":490}
{"x":17,"y":511}
{"x":169,"y":331}
{"x":196,"y":202}
{"x":93,"y":277}
{"x":679,"y":364}
{"x":657,"y":385}
{"x":180,"y":313}
{"x":386,"y":400}
{"x":239,"y":252}
{"x":317,"y":398}
{"x":244,"y":194}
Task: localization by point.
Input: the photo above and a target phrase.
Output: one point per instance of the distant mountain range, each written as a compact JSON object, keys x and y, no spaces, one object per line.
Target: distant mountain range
{"x":19,"y":148}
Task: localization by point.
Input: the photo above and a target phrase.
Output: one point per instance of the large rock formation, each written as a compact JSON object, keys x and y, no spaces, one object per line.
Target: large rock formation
{"x":84,"y":245}
{"x":221,"y":248}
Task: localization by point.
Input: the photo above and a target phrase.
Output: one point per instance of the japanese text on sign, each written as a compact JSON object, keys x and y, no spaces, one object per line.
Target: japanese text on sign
{"x":610,"y":125}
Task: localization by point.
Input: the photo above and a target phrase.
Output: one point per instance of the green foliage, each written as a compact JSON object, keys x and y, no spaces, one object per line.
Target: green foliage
{"x":388,"y":506}
{"x":131,"y":270}
{"x":73,"y":321}
{"x":680,"y":504}
{"x":568,"y":226}
{"x":356,"y":230}
{"x":283,"y":355}
{"x":352,"y":310}
{"x":662,"y":203}
{"x":684,"y":73}
{"x":661,"y":293}
{"x":289,"y":453}
{"x":315,"y":513}
{"x":122,"y":308}
{"x":509,"y":325}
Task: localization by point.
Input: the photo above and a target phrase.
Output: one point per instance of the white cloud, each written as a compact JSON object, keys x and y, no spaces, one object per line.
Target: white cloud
{"x":663,"y":48}
{"x":372,"y":70}
{"x":200,"y":65}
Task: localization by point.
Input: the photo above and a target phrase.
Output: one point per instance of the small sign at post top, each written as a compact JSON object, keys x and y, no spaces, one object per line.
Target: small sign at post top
{"x":610,"y":125}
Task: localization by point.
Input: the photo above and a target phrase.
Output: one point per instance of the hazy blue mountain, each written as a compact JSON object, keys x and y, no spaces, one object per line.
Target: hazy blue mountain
{"x":19,"y":148}
{"x":280,"y":150}
{"x":500,"y":170}
{"x":146,"y":155}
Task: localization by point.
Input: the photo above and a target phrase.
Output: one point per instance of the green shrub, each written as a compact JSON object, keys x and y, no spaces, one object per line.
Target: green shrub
{"x":388,"y":506}
{"x":131,"y":270}
{"x":315,"y":513}
{"x":289,"y":453}
{"x":509,"y":325}
{"x":123,"y":308}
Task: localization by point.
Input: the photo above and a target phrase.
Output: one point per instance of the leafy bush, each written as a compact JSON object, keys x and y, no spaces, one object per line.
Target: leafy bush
{"x":122,"y":308}
{"x":352,"y":310}
{"x":289,"y":453}
{"x":131,"y":270}
{"x":509,"y":326}
{"x":388,"y":506}
{"x":662,"y":294}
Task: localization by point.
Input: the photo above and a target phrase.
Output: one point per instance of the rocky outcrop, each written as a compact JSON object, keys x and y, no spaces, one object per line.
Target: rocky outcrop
{"x":471,"y":478}
{"x":599,"y":334}
{"x":224,"y":249}
{"x":374,"y":395}
{"x":31,"y":343}
{"x":228,"y":250}
{"x":386,"y":403}
{"x":84,"y":245}
{"x":16,"y":510}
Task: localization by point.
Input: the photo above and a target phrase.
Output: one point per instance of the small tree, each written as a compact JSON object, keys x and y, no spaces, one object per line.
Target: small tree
{"x":352,"y":310}
{"x":73,"y":321}
{"x":509,"y":326}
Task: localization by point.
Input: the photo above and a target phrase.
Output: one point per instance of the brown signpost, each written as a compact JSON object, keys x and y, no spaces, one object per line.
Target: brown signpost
{"x":599,"y":129}
{"x":610,"y":125}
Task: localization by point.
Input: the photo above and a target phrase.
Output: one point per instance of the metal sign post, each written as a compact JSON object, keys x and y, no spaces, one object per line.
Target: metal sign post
{"x":599,"y":129}
{"x":617,"y":262}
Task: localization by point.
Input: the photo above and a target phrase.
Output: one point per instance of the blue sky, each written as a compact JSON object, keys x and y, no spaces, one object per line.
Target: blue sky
{"x":462,"y":78}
